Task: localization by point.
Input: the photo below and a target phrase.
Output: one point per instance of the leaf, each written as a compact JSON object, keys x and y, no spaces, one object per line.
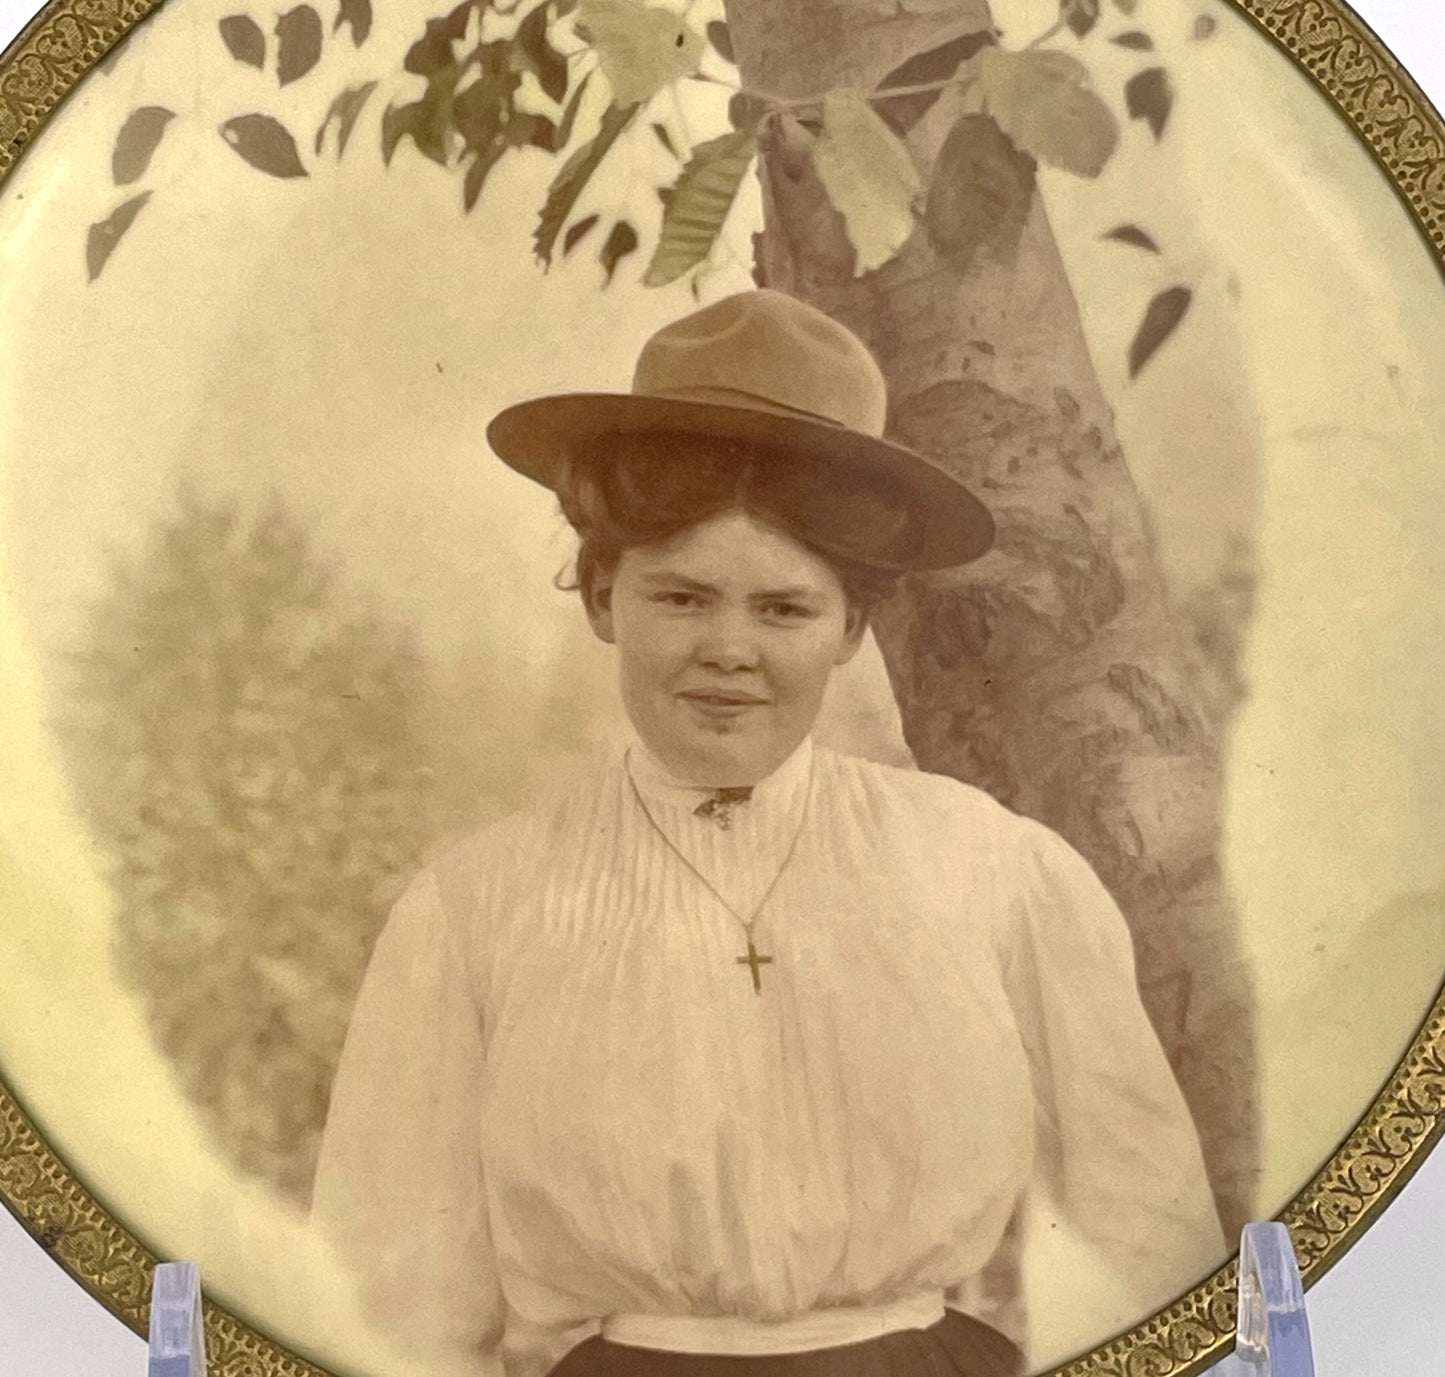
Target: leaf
{"x":620,"y":242}
{"x":344,"y":110}
{"x":413,"y":119}
{"x":265,"y":143}
{"x":869,"y":175}
{"x":981,"y":192}
{"x":931,"y":68}
{"x":1160,"y":321}
{"x":243,"y":39}
{"x":491,"y":125}
{"x":481,"y":109}
{"x":476,"y":176}
{"x":137,"y":141}
{"x":569,"y":116}
{"x":720,"y":36}
{"x":1149,"y":96}
{"x":664,"y":138}
{"x":433,"y":50}
{"x":1135,"y":39}
{"x":567,"y":185}
{"x":524,"y":129}
{"x":1132,"y":234}
{"x":298,"y":36}
{"x":1204,"y":27}
{"x":538,"y":55}
{"x":430,"y":121}
{"x":640,"y":48}
{"x":1079,"y":15}
{"x":103,"y":237}
{"x":745,"y":110}
{"x":1042,"y":102}
{"x":577,"y":231}
{"x":396,"y":123}
{"x":357,"y":13}
{"x":698,"y":203}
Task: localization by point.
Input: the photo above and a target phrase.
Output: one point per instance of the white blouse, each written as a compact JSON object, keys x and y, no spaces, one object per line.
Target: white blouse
{"x":562,"y":1096}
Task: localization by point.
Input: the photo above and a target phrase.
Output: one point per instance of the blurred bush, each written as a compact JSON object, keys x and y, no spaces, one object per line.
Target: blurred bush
{"x":247,"y":746}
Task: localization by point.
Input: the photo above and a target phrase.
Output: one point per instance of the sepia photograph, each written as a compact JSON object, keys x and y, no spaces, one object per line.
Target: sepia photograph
{"x":712,"y":689}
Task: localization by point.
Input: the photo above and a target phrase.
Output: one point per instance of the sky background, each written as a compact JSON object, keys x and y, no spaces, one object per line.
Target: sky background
{"x":29,"y":1285}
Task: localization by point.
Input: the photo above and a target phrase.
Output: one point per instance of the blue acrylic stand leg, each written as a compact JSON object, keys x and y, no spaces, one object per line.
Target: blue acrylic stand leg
{"x":177,"y":1338}
{"x":1274,"y":1332}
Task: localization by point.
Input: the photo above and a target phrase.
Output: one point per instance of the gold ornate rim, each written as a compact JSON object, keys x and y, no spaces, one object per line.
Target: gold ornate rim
{"x":1393,"y":118}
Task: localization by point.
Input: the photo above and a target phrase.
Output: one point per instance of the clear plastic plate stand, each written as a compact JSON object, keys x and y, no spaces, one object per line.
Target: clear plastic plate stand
{"x":177,"y":1337}
{"x":1274,"y":1331}
{"x":1273,"y":1337}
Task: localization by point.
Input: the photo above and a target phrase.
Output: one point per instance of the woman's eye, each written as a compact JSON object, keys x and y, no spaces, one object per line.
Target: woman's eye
{"x":675,"y":598}
{"x":789,"y":611}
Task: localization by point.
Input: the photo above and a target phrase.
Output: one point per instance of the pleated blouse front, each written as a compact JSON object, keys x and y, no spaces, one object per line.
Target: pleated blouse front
{"x":564,"y":1094}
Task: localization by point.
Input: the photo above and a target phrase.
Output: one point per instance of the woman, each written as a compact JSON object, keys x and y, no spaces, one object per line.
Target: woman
{"x":739,"y":1056}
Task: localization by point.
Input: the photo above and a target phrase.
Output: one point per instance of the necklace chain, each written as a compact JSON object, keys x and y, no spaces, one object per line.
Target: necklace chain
{"x":747,"y":923}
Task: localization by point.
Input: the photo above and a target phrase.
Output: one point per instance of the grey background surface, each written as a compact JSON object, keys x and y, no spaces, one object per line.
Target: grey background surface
{"x":1380,"y":1311}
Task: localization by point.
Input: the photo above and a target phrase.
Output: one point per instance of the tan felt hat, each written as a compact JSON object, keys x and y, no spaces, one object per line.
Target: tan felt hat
{"x":762,"y":367}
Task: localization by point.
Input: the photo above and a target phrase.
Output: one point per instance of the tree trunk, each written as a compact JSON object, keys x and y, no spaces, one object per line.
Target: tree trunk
{"x":1053,"y":672}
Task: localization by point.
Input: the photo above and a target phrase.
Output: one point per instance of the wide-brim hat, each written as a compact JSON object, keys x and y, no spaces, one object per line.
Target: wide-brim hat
{"x":763,"y":368}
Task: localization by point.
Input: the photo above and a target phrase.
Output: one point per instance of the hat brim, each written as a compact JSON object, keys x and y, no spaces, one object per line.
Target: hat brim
{"x":537,"y":437}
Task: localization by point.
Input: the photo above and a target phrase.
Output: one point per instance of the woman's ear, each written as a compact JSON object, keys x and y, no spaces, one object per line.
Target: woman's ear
{"x":854,"y":627}
{"x":597,"y":599}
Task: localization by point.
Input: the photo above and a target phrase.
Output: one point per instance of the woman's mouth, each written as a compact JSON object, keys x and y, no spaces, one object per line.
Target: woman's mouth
{"x":722,"y":702}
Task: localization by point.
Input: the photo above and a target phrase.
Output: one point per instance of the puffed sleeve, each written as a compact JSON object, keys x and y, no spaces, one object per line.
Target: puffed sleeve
{"x":1117,"y":1149}
{"x":399,"y":1187}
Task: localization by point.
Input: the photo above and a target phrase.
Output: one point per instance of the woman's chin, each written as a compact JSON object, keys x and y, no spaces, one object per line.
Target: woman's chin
{"x":720,"y":760}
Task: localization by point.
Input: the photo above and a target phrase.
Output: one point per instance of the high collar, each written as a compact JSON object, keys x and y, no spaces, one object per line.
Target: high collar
{"x":775,"y":795}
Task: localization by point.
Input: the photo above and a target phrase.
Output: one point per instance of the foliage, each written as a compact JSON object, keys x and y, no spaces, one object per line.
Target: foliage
{"x":244,"y":40}
{"x":1041,"y":100}
{"x":245,"y":747}
{"x":1162,"y":318}
{"x":869,"y":175}
{"x":298,"y":43}
{"x":640,"y":48}
{"x":265,"y":143}
{"x":1132,"y":234}
{"x":981,"y":192}
{"x":105,"y":234}
{"x":696,"y":204}
{"x":621,"y":241}
{"x":505,"y":78}
{"x":1150,"y":97}
{"x":1079,"y":15}
{"x":137,"y":141}
{"x":344,"y":110}
{"x":576,"y":171}
{"x":356,"y":14}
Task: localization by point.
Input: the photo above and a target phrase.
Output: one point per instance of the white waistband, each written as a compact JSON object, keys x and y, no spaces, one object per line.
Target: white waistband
{"x":728,"y":1334}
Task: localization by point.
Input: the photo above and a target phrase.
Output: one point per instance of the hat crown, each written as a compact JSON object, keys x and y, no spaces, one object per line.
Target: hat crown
{"x":765,"y":347}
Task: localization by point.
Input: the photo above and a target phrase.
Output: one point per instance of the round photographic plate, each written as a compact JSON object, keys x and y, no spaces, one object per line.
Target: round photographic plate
{"x":1354,"y":1074}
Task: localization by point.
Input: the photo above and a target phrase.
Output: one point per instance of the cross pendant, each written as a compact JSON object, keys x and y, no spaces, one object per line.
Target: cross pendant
{"x":753,"y":960}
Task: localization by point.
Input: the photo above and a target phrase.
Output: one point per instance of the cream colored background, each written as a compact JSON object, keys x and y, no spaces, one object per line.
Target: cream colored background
{"x":1332,"y":807}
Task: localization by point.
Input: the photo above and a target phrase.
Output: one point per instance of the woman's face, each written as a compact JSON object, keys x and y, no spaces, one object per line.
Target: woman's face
{"x":726,"y":633}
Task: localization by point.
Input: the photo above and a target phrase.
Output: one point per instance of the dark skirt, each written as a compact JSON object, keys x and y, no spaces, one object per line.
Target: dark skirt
{"x":956,"y":1346}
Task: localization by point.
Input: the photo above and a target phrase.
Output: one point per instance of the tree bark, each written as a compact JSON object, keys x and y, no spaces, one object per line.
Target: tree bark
{"x":1052,"y":673}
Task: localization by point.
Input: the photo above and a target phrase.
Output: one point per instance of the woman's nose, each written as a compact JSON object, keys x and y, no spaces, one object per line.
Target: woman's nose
{"x":728,"y":643}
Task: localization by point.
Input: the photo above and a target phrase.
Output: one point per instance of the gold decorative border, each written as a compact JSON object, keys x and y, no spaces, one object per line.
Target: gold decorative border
{"x":110,"y":1262}
{"x":1392,"y":116}
{"x":1377,"y":96}
{"x":49,"y":57}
